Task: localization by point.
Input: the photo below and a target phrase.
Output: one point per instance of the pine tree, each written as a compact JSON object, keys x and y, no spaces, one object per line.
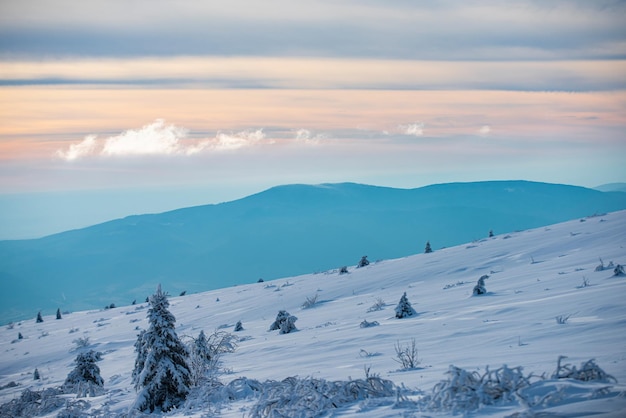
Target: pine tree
{"x":404,"y":308}
{"x":163,"y":377}
{"x":480,"y":288}
{"x":364,"y":262}
{"x":59,"y":313}
{"x":238,"y":326}
{"x":428,"y":249}
{"x":20,"y":336}
{"x":85,"y":379}
{"x":285,"y":322}
{"x":39,"y":318}
{"x":200,"y":359}
{"x":491,"y":233}
{"x":140,"y":359}
{"x":36,"y":375}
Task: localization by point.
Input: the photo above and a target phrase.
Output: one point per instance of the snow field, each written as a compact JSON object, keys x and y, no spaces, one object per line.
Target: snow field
{"x":534,"y":276}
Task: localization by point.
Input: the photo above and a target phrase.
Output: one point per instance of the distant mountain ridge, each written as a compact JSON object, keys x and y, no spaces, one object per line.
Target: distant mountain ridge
{"x":283,"y":231}
{"x":612,"y":187}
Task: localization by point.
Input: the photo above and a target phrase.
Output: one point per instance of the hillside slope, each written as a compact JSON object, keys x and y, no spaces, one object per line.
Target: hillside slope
{"x":534,"y":276}
{"x":283,"y":231}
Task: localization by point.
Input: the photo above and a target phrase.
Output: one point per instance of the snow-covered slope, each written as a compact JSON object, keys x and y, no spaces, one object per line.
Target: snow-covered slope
{"x":534,"y":276}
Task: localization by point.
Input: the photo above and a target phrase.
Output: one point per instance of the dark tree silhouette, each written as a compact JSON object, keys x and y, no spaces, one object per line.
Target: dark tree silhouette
{"x":39,"y":318}
{"x":428,"y":249}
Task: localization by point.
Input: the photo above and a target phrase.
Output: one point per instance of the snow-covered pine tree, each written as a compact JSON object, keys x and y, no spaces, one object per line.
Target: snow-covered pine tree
{"x":428,"y":249}
{"x":404,"y":308}
{"x":140,"y":359}
{"x":36,"y":375}
{"x":39,"y":318}
{"x":363,"y":262}
{"x":165,"y":378}
{"x":480,"y":288}
{"x":238,"y":326}
{"x":200,"y":359}
{"x":85,"y":379}
{"x":285,"y":322}
{"x":59,"y":313}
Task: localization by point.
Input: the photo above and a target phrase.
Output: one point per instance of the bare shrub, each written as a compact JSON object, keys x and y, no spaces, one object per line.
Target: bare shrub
{"x":379,"y":305}
{"x":562,"y":319}
{"x":406,"y":355}
{"x":588,"y":371}
{"x":310,"y":302}
{"x":81,"y":342}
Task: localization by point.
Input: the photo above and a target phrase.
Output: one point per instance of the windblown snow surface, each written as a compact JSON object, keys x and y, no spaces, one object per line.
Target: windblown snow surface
{"x":535,"y":276}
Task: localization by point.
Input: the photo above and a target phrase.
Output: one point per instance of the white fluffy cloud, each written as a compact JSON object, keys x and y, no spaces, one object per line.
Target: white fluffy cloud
{"x":159,"y":138}
{"x":86,"y":147}
{"x":156,"y":138}
{"x":415,"y":129}
{"x":484,"y":130}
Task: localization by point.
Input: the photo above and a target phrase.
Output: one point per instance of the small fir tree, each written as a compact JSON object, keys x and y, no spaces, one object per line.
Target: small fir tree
{"x":364,"y":262}
{"x":285,"y":322}
{"x":480,"y":288}
{"x":404,"y":308}
{"x":36,"y":375}
{"x":20,"y":336}
{"x":200,"y":359}
{"x":85,"y":379}
{"x":428,"y":249}
{"x":165,"y":378}
{"x":238,"y":326}
{"x":491,"y":233}
{"x":59,"y":313}
{"x":39,"y":318}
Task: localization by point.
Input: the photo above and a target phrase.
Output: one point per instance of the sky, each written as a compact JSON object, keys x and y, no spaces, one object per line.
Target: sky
{"x":112,"y":108}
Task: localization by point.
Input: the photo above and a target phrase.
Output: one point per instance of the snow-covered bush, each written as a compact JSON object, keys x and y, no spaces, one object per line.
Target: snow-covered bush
{"x":366,"y":324}
{"x":85,"y":379}
{"x":467,"y":391}
{"x":406,"y":355}
{"x":295,"y":397}
{"x":589,"y":371}
{"x":562,"y":319}
{"x":238,"y":327}
{"x":285,"y":322}
{"x":363,"y":262}
{"x":619,"y":270}
{"x":404,"y":308}
{"x":480,"y":288}
{"x":32,"y":403}
{"x":343,"y":270}
{"x":162,"y":376}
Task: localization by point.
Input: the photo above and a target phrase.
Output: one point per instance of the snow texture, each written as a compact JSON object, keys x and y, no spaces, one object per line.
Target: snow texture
{"x":500,"y":354}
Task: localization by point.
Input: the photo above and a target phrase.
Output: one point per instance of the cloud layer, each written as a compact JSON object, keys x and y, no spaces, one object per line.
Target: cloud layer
{"x":477,"y":30}
{"x":160,"y":138}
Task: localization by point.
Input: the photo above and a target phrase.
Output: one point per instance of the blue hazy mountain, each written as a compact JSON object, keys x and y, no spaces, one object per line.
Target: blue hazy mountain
{"x":612,"y":187}
{"x":283,"y":231}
